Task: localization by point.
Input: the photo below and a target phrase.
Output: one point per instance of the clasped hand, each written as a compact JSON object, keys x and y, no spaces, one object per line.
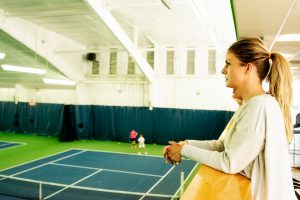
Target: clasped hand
{"x":172,"y":152}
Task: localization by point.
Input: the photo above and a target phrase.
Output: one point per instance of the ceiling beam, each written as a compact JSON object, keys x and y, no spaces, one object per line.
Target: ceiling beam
{"x":294,"y":56}
{"x":120,"y":34}
{"x":283,"y":23}
{"x":296,"y":62}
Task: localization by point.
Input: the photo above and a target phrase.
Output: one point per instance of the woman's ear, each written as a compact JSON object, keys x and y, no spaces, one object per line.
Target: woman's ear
{"x":249,"y":67}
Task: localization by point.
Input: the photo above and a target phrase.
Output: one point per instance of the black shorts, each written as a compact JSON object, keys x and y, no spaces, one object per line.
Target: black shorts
{"x":132,"y":139}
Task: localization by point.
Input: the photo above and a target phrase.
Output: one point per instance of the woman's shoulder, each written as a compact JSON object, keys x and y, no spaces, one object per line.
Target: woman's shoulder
{"x":258,"y":106}
{"x":260,"y":102}
{"x":262,"y":99}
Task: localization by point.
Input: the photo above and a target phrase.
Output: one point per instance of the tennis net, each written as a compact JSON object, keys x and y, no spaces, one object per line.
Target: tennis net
{"x":33,"y":189}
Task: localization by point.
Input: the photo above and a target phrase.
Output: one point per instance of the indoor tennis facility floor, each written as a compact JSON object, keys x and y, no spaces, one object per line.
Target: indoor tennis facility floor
{"x":85,"y":174}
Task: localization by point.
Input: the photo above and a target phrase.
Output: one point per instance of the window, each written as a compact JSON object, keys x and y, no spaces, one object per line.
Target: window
{"x":190,"y":62}
{"x":131,"y":65}
{"x":95,"y":67}
{"x":113,"y":61}
{"x":150,"y":58}
{"x":211,"y":62}
{"x":170,"y":62}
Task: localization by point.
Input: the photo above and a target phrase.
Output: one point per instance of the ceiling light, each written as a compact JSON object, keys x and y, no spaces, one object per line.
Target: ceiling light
{"x":2,"y":55}
{"x":58,"y":81}
{"x":287,"y":55}
{"x":23,"y":69}
{"x":289,"y":38}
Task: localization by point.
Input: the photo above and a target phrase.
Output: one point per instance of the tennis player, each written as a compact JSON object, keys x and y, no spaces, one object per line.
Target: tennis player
{"x":142,"y":145}
{"x":256,"y":145}
{"x":133,"y":134}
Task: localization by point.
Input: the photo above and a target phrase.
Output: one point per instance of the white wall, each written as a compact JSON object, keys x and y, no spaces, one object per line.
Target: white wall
{"x":171,"y":92}
{"x":7,"y":94}
{"x":198,"y":91}
{"x":111,"y":94}
{"x":194,"y":92}
{"x":21,"y":94}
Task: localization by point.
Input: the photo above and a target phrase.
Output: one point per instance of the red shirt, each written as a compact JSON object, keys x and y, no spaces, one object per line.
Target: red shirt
{"x":133,"y":134}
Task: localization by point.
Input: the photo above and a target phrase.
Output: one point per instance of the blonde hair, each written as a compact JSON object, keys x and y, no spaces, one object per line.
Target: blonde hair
{"x":274,"y":68}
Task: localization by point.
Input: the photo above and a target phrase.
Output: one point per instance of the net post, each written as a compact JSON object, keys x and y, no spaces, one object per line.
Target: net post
{"x":181,"y":183}
{"x":40,"y":191}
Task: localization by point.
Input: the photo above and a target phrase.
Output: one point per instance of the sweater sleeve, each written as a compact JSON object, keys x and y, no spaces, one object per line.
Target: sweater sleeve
{"x":213,"y":145}
{"x":246,"y":142}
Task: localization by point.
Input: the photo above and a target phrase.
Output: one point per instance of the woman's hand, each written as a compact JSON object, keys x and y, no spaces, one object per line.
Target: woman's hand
{"x":172,"y":152}
{"x":165,"y":153}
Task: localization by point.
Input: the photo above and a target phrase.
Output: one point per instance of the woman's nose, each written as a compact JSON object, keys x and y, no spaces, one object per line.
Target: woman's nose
{"x":224,"y":70}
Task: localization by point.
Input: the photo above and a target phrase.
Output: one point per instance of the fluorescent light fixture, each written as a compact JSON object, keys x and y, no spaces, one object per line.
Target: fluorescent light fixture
{"x":2,"y":55}
{"x":58,"y":81}
{"x":289,"y":38}
{"x":294,"y":68}
{"x":287,"y":55}
{"x":23,"y":69}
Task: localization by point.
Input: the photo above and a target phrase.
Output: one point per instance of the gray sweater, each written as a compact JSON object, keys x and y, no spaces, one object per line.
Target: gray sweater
{"x":255,"y":146}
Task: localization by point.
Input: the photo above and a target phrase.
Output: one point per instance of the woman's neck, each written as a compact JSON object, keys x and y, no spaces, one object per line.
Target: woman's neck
{"x":252,"y":93}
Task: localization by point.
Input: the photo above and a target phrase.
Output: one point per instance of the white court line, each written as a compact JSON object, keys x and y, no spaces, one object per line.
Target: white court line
{"x":12,"y":142}
{"x":157,"y":183}
{"x":3,"y":145}
{"x":44,"y":164}
{"x":154,"y":156}
{"x":36,"y":159}
{"x":116,"y":152}
{"x":82,"y":187}
{"x":59,"y":191}
{"x":8,"y":143}
{"x":111,"y":170}
{"x":17,"y":145}
{"x":94,"y":189}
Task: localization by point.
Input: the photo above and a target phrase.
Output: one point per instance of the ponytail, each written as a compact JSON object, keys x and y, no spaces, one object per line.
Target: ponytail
{"x":280,"y":86}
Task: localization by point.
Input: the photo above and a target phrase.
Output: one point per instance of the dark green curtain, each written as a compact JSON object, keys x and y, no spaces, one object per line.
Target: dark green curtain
{"x":159,"y":125}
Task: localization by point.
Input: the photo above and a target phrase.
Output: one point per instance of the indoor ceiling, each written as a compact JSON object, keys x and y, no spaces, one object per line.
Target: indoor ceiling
{"x":19,"y":55}
{"x":165,"y":22}
{"x":269,"y":19}
{"x":168,"y":23}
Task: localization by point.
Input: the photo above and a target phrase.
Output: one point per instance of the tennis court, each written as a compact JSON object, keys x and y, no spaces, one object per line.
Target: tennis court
{"x":82,"y":174}
{"x":5,"y":144}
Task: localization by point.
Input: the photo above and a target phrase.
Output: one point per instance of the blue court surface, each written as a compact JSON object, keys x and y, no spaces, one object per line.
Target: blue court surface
{"x":81,"y":174}
{"x":5,"y":144}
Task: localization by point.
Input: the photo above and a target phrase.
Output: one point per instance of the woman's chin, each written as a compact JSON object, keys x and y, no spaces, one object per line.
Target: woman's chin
{"x":228,"y":85}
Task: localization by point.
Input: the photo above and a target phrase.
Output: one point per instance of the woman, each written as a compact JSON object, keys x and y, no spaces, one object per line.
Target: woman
{"x":257,"y":143}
